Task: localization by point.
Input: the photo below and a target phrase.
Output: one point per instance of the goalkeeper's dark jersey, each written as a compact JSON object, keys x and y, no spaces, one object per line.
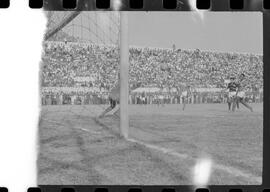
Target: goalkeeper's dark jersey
{"x":115,"y":92}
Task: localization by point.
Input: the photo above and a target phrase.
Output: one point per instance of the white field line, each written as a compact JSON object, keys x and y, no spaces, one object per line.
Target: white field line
{"x":164,"y":150}
{"x":87,"y":130}
{"x":51,"y":121}
{"x":83,"y":129}
{"x":228,"y":169}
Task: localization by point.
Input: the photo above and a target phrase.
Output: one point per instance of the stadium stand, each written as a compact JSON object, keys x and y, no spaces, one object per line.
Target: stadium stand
{"x":95,"y":68}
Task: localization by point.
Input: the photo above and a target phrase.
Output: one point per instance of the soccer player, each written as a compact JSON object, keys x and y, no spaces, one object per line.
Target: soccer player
{"x":185,"y":95}
{"x":240,"y":94}
{"x":114,"y":98}
{"x":143,"y":98}
{"x":161,"y":99}
{"x":232,"y":87}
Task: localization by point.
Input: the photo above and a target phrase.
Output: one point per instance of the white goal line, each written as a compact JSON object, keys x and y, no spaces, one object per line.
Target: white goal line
{"x":228,"y":169}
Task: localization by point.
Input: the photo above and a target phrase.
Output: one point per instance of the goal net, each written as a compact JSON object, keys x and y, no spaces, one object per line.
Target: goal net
{"x":81,"y":60}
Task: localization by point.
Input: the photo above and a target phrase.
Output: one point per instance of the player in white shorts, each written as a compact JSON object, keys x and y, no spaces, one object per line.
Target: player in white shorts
{"x":240,"y":94}
{"x":232,"y":87}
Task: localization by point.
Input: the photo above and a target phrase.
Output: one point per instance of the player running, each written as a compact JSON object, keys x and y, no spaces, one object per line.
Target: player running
{"x":240,"y":94}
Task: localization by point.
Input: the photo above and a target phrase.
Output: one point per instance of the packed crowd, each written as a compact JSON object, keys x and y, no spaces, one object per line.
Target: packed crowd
{"x":64,"y":62}
{"x":171,"y":68}
{"x":156,"y":67}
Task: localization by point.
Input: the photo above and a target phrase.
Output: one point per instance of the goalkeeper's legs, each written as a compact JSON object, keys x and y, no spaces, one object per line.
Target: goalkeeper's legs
{"x":105,"y":112}
{"x":117,"y":112}
{"x":111,"y":107}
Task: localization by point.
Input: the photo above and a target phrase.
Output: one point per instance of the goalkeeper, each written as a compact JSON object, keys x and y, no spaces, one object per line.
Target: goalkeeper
{"x":114,"y":98}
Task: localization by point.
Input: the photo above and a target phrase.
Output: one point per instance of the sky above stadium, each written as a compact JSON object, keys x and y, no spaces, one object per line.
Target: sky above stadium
{"x":214,"y":31}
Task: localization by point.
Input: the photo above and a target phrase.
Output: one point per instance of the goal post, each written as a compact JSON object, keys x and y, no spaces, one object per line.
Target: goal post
{"x":124,"y":73}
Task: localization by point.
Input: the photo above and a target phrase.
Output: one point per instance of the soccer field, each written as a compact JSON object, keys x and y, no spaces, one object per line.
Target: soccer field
{"x":164,"y":145}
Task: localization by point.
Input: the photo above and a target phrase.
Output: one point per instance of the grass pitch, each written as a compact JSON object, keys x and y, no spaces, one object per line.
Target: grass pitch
{"x":166,"y":143}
